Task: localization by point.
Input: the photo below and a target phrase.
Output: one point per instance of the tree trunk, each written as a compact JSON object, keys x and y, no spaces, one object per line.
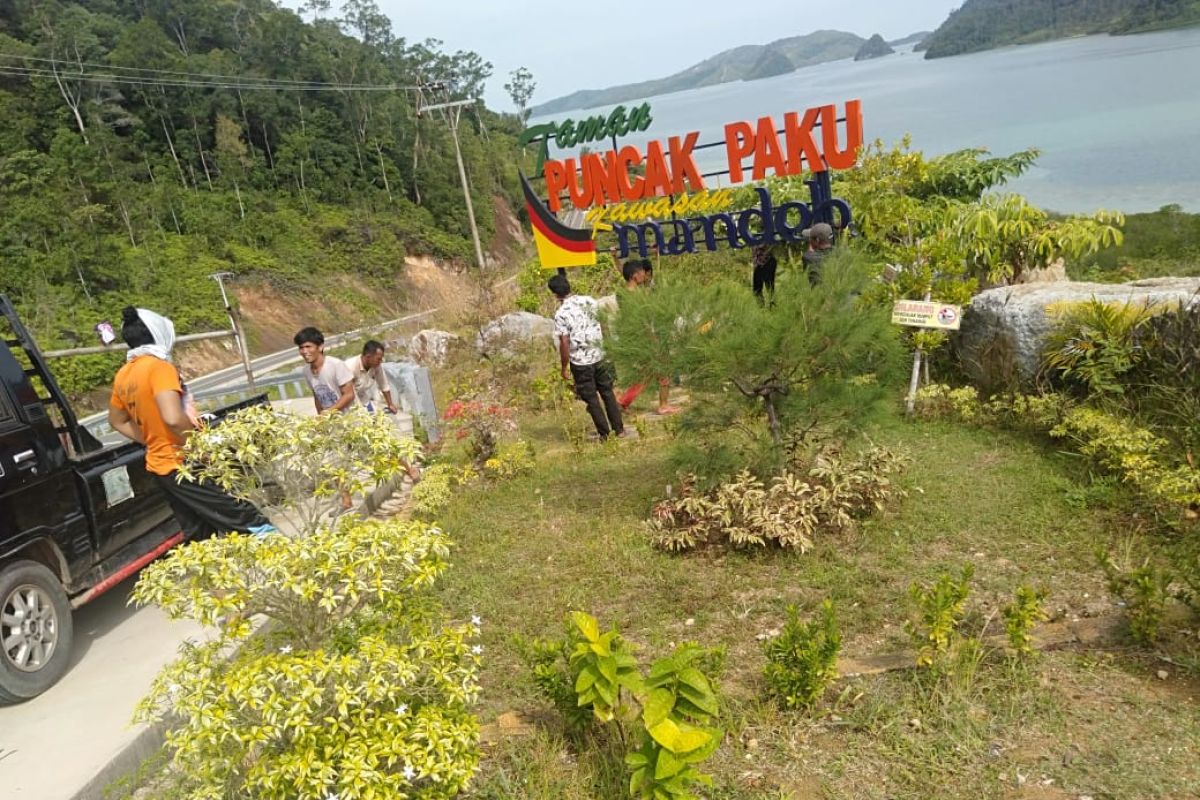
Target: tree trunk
{"x":773,"y":417}
{"x":383,"y":171}
{"x":238,"y":191}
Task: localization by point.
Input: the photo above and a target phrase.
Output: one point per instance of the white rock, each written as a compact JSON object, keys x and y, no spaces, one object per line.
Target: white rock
{"x":431,"y":348}
{"x":519,"y":327}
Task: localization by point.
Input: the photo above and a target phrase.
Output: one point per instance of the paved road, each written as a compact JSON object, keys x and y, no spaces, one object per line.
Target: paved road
{"x":53,"y":745}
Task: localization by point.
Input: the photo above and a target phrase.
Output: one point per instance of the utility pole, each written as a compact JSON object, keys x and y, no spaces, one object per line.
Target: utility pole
{"x":238,"y":336}
{"x":453,"y":111}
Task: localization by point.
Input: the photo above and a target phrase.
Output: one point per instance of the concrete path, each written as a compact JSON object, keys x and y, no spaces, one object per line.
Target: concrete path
{"x":55,"y":745}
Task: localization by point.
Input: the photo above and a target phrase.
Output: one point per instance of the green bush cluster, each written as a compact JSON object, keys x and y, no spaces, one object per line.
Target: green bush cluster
{"x":802,"y":659}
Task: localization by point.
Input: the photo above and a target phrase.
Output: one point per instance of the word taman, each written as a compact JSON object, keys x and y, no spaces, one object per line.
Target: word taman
{"x":568,"y":133}
{"x":628,"y":175}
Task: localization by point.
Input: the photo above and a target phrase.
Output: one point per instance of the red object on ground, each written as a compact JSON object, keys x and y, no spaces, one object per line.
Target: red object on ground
{"x":631,"y":394}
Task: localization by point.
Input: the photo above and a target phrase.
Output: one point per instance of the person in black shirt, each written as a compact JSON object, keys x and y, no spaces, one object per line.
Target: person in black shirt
{"x":764,"y":263}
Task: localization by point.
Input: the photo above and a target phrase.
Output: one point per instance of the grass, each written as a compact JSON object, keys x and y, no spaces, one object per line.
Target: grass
{"x":571,"y":536}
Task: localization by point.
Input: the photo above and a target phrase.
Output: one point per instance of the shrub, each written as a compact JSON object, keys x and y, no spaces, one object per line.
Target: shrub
{"x":273,"y":458}
{"x":511,"y":459}
{"x":1135,"y":454}
{"x":353,"y":688}
{"x":435,"y":489}
{"x":1143,"y":589}
{"x":1165,"y":384}
{"x":1020,"y":618}
{"x":802,"y":659}
{"x":938,"y":611}
{"x":672,"y":705}
{"x":787,"y":513}
{"x":1093,"y":345}
{"x":481,"y":423}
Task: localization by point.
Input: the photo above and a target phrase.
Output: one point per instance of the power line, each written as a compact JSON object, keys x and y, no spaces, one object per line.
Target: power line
{"x":203,"y":81}
{"x":151,"y":72}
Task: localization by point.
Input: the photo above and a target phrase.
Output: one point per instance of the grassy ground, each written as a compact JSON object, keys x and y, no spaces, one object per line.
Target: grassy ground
{"x":1075,"y":723}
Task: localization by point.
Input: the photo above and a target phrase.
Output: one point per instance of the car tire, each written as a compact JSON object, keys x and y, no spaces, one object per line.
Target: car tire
{"x":35,"y":631}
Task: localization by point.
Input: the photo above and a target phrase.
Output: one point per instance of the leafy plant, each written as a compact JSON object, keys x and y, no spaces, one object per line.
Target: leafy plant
{"x":482,"y":424}
{"x":354,"y":688}
{"x":1093,"y":344}
{"x":1021,"y":617}
{"x":435,"y":490}
{"x":1142,"y":587}
{"x":938,"y":611}
{"x":802,"y":659}
{"x":673,"y":705}
{"x":511,"y":459}
{"x":273,"y":458}
{"x":745,"y":512}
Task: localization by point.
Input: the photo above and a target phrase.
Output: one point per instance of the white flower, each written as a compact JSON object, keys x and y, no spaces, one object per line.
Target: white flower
{"x":331,"y":796}
{"x":402,"y":709}
{"x":477,"y":649}
{"x":174,"y":688}
{"x":287,"y":648}
{"x":476,"y":621}
{"x":409,"y":772}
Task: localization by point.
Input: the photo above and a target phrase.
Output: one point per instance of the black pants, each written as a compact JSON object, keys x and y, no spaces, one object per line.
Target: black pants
{"x":594,"y":383}
{"x":203,"y":510}
{"x":764,"y":278}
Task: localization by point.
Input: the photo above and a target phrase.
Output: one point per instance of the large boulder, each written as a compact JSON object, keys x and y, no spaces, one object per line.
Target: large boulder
{"x":1005,"y":329}
{"x":431,"y":348}
{"x":504,"y":334}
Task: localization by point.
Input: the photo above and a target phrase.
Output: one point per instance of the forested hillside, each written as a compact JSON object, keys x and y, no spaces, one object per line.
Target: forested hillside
{"x":984,"y":24}
{"x":148,"y":143}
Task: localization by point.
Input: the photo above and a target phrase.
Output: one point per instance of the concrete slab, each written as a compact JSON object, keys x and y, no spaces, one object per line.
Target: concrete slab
{"x":73,"y":735}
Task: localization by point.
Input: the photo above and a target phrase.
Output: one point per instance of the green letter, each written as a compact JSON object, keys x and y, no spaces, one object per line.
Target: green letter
{"x":618,"y":123}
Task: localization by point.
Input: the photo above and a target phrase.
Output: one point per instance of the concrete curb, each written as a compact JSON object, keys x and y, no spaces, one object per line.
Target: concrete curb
{"x":126,"y":761}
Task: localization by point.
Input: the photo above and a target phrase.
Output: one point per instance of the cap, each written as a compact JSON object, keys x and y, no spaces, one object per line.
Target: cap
{"x":822,"y":230}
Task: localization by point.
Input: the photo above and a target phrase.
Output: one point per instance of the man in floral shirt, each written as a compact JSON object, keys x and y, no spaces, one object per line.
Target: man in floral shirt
{"x":581,"y":351}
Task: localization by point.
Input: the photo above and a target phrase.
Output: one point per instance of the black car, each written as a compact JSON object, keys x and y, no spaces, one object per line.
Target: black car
{"x":76,"y":517}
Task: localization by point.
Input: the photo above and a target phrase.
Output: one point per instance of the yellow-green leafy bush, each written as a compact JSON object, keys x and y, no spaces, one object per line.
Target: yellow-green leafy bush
{"x":272,"y":458}
{"x":354,"y":687}
{"x":436,"y":488}
{"x":511,"y":460}
{"x":802,"y":659}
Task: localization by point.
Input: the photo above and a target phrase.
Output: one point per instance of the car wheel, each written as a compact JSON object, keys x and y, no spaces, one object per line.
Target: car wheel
{"x":35,"y":631}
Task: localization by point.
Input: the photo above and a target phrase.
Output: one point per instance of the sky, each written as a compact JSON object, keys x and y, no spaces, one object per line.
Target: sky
{"x":575,"y":44}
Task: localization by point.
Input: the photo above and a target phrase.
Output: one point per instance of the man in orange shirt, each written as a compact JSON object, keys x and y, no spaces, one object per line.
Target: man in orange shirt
{"x":149,"y":405}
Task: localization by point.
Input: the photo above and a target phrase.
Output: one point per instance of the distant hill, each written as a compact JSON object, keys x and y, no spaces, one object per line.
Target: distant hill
{"x":985,"y":24}
{"x":912,"y":38}
{"x":875,"y":47}
{"x":747,"y":62}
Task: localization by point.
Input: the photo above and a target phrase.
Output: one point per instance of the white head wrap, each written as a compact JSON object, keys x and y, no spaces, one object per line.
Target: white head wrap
{"x":163,"y":331}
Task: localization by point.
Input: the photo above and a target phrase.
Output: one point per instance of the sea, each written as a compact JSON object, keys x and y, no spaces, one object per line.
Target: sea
{"x":1117,"y":118}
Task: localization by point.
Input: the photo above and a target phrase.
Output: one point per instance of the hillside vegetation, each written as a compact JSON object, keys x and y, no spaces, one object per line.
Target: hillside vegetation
{"x":148,"y":145}
{"x":747,"y":62}
{"x":985,"y":24}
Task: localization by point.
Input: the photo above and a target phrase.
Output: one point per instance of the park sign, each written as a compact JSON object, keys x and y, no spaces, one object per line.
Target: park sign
{"x":618,"y":122}
{"x":924,"y":314}
{"x":665,"y":204}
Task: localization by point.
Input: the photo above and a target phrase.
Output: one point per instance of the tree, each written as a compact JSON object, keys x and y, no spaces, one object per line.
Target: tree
{"x":815,"y":362}
{"x":520,"y":88}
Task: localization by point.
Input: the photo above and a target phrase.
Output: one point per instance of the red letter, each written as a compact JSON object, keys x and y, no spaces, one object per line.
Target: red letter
{"x":581,"y":195}
{"x":845,"y":157}
{"x":627,"y":159}
{"x":602,"y":181}
{"x":556,"y":181}
{"x":683,"y":165}
{"x":801,"y":149}
{"x":766,"y":150}
{"x":658,"y":177}
{"x":739,"y":143}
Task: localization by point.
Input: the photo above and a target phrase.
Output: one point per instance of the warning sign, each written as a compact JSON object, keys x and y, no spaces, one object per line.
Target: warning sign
{"x":921,"y":314}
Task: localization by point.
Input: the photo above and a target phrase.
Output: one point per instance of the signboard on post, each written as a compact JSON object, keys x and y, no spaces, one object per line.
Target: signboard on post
{"x":924,"y":314}
{"x":655,"y":197}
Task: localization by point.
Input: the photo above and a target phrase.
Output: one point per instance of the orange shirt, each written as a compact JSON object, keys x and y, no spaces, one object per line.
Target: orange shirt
{"x":134,"y":389}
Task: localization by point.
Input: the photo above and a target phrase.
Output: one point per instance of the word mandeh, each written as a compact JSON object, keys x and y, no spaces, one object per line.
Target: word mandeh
{"x":765,"y":223}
